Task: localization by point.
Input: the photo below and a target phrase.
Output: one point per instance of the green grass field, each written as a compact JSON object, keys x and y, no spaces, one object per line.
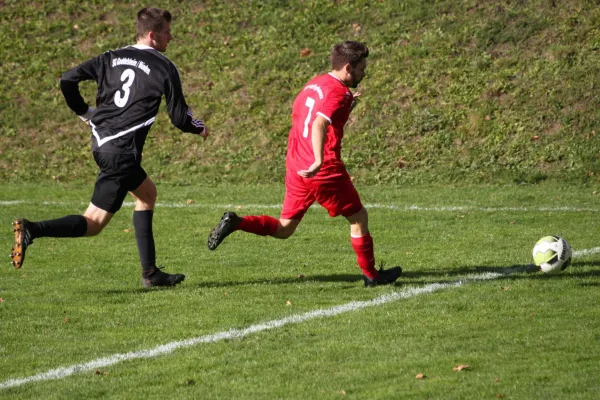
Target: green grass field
{"x":523,"y":334}
{"x":475,"y":136}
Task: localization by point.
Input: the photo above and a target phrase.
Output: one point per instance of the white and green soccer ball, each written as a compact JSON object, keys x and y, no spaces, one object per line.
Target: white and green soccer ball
{"x":552,"y":254}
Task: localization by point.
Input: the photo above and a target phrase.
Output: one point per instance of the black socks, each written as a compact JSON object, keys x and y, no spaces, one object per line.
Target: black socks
{"x":142,"y":223}
{"x":69,"y":226}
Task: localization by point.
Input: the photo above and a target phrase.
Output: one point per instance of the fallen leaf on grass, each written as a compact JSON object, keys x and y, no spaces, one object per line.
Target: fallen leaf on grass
{"x":505,"y":288}
{"x":420,"y":376}
{"x":189,"y":201}
{"x":305,"y":52}
{"x":1,"y":300}
{"x":499,"y":396}
{"x":66,"y":320}
{"x":343,"y":392}
{"x":461,"y":367}
{"x":288,"y":303}
{"x":127,"y":230}
{"x":300,"y":276}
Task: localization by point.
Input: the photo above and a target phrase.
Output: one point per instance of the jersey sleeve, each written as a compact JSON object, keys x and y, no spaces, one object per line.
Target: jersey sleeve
{"x":69,"y":83}
{"x":180,"y":114}
{"x":332,"y":102}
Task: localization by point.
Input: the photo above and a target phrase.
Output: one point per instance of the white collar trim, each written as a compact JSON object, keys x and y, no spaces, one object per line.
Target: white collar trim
{"x":142,"y":47}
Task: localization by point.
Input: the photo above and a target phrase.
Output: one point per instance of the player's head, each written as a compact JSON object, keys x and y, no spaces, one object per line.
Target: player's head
{"x":153,"y":26}
{"x":350,"y":58}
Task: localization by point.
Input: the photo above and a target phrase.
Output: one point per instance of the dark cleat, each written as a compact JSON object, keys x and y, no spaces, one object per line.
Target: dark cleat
{"x":23,"y":238}
{"x":228,"y":223}
{"x":386,"y":277}
{"x":155,"y":277}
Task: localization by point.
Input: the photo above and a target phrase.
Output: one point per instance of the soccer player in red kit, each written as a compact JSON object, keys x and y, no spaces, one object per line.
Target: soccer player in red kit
{"x":314,"y":168}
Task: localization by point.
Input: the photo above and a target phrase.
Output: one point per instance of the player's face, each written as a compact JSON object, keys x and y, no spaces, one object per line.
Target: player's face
{"x":162,"y":38}
{"x":358,"y":73}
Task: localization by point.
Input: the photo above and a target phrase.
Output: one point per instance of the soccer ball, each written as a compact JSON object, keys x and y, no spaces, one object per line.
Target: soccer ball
{"x":552,"y":254}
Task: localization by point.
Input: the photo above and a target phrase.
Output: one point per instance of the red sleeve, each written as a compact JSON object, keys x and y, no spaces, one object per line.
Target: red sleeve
{"x":333,"y":101}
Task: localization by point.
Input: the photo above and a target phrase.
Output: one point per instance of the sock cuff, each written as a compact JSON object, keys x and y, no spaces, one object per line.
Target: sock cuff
{"x":361,"y":239}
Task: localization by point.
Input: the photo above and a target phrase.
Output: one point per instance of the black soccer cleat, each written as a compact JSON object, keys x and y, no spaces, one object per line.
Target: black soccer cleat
{"x":155,"y":277}
{"x":228,"y":223}
{"x":386,"y":277}
{"x":23,"y":238}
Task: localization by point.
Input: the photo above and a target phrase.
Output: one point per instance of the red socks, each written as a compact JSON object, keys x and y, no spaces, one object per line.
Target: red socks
{"x":363,"y":247}
{"x":262,"y":225}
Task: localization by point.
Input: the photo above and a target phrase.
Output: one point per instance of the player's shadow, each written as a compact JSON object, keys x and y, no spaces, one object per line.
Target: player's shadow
{"x":513,"y":272}
{"x":516,"y":271}
{"x":285,"y":281}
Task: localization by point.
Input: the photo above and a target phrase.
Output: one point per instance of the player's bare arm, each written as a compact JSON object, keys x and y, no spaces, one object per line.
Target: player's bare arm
{"x":319,"y":130}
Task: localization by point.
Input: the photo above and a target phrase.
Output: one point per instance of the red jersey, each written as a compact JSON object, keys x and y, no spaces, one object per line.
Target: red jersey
{"x":327,"y":96}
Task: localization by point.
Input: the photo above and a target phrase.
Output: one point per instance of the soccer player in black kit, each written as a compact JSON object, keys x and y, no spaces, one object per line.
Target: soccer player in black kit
{"x":131,"y":82}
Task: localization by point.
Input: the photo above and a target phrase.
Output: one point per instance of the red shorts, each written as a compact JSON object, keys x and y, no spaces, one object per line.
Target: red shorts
{"x":337,"y":195}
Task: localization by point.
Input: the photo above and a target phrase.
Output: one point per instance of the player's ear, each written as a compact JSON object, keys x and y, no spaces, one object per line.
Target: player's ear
{"x":348,"y":68}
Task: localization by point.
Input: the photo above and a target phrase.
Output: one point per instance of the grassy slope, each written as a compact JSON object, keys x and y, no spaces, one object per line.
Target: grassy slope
{"x":456,"y":90}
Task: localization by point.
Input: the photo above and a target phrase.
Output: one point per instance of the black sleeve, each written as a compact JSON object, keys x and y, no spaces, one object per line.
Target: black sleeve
{"x":179,"y":112}
{"x":69,"y":84}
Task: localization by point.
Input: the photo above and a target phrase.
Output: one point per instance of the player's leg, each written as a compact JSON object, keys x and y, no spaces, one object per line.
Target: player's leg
{"x":362,"y":243}
{"x":90,"y":223}
{"x":26,"y":231}
{"x":296,"y":201}
{"x":339,"y":197}
{"x":145,"y":195}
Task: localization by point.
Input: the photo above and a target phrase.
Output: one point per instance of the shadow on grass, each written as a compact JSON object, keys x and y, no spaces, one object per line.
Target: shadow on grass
{"x":517,"y":271}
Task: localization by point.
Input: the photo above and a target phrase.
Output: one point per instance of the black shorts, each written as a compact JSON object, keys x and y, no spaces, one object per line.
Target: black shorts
{"x":119,"y":174}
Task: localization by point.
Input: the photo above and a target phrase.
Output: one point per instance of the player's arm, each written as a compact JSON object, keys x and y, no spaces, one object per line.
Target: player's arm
{"x":318,"y":133}
{"x":69,"y":85}
{"x":180,"y":114}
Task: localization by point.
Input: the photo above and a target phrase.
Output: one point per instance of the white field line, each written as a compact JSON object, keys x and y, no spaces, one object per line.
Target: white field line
{"x":63,"y":372}
{"x":168,"y":348}
{"x":4,"y":203}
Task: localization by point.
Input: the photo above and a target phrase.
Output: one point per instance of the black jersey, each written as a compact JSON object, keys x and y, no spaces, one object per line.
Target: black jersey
{"x":131,"y":82}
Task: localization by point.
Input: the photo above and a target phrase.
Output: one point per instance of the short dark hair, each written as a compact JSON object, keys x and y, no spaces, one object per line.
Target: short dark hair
{"x":348,"y":52}
{"x":150,"y":19}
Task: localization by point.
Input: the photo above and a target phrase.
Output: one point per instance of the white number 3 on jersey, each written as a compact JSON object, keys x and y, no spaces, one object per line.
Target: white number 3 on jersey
{"x":128,"y":76}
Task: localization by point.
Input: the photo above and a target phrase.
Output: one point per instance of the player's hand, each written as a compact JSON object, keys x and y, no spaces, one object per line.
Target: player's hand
{"x":311,"y":171}
{"x":88,"y":115}
{"x":204,"y":133}
{"x":355,"y":99}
